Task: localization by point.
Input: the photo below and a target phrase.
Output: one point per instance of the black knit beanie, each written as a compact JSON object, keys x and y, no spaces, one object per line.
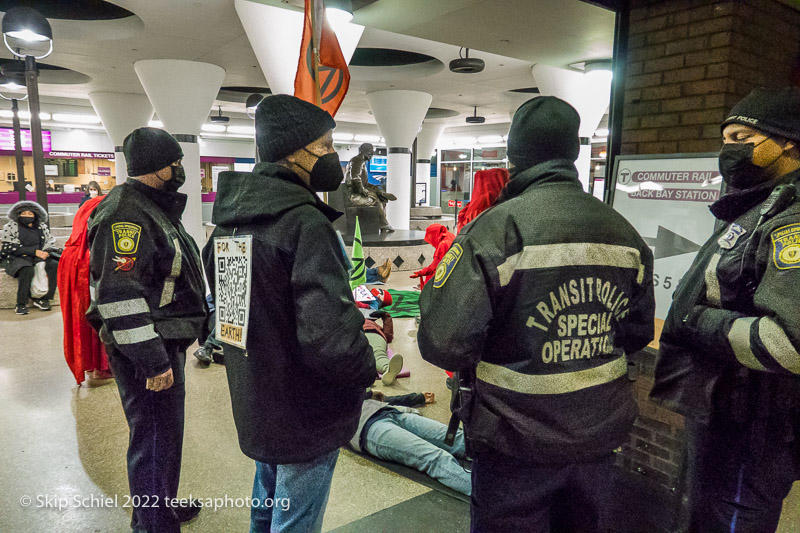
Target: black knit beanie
{"x":543,"y":128}
{"x":284,"y":124}
{"x":150,"y":149}
{"x":775,"y":111}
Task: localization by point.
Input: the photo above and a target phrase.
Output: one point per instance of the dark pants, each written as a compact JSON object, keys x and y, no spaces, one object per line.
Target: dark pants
{"x":510,"y":495}
{"x":155,"y":420}
{"x":25,"y":276}
{"x":734,"y":487}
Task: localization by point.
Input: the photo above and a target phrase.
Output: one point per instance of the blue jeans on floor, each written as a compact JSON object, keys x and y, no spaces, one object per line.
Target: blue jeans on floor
{"x":418,"y":442}
{"x":296,"y":495}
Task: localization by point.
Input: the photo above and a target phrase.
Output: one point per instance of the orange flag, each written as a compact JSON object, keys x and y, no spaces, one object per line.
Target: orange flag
{"x":322,"y":78}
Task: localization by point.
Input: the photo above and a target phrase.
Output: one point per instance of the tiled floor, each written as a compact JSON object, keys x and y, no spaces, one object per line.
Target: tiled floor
{"x":61,"y":441}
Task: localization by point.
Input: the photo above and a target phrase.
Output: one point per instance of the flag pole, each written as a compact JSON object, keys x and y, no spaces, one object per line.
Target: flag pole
{"x":315,"y":51}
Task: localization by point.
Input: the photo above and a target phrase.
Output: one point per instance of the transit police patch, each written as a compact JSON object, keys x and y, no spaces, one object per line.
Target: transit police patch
{"x":126,"y":237}
{"x":786,"y":247}
{"x":446,"y":266}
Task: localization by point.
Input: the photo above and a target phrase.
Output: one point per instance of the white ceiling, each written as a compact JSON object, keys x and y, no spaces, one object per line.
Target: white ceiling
{"x":509,"y":35}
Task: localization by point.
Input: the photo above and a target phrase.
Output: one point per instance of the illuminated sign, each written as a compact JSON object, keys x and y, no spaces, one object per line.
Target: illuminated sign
{"x":7,"y":140}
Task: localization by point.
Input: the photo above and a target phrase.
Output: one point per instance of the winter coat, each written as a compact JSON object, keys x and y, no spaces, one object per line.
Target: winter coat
{"x":146,"y":278}
{"x":543,"y":296}
{"x":730,"y":348}
{"x":14,"y":254}
{"x":297,"y":388}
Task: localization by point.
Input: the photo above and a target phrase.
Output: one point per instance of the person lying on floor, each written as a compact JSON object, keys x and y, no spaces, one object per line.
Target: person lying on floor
{"x":379,"y":336}
{"x":392,"y":430}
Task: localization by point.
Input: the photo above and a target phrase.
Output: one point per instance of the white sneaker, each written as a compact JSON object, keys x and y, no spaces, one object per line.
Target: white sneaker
{"x":395,"y":367}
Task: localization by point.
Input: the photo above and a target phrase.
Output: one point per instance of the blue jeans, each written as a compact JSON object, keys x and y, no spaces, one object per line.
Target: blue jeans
{"x":418,"y":442}
{"x":372,"y":275}
{"x":296,"y":495}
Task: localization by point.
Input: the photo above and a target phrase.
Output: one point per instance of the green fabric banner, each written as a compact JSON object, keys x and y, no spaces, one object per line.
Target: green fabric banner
{"x":405,"y":304}
{"x":358,"y":275}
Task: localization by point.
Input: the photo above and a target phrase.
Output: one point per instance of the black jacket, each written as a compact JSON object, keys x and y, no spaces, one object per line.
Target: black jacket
{"x":146,"y":278}
{"x":297,"y":389}
{"x":19,"y":245}
{"x":730,"y":342}
{"x":545,"y":293}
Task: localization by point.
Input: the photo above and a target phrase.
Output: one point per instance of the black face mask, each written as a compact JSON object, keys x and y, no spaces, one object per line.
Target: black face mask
{"x":326,"y":174}
{"x":737,"y":167}
{"x":177,"y":181}
{"x":27,"y":221}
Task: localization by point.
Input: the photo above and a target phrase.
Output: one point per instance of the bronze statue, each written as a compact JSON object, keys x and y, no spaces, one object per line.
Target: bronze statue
{"x":361,"y":192}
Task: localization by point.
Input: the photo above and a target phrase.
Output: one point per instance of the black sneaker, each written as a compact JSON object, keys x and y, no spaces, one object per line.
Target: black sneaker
{"x":21,"y":310}
{"x":42,"y":304}
{"x":187,"y":510}
{"x":203,"y":355}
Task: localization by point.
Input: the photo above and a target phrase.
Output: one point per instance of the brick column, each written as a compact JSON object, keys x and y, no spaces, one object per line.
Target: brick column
{"x":688,"y":62}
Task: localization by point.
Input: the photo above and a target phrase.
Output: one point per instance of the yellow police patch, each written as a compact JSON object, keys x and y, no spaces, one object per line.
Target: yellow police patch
{"x":446,"y":266}
{"x":786,"y":247}
{"x":126,"y":237}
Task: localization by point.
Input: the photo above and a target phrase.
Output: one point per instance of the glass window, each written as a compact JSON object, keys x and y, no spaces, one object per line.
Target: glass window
{"x":490,"y":154}
{"x":456,"y":155}
{"x":455,"y":182}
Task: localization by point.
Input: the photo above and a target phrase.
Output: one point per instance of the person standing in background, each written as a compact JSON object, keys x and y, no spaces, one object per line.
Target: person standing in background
{"x":92,"y":191}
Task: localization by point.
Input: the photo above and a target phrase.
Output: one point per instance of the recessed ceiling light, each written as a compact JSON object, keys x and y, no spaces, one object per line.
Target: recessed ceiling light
{"x":78,"y":119}
{"x":342,"y":136}
{"x":212,"y":128}
{"x":155,"y":124}
{"x":487,"y":139}
{"x":367,"y":138}
{"x":243,"y":130}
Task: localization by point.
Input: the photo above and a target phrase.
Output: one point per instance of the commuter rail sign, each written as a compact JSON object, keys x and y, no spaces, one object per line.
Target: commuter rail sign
{"x":233,"y":274}
{"x":666,"y":198}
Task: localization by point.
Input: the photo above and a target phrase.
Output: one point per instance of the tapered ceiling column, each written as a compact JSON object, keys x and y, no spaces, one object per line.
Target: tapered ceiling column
{"x":121,"y":113}
{"x":427,"y":139}
{"x":182,"y":93}
{"x":399,"y":115}
{"x":275,"y":34}
{"x":589,"y":94}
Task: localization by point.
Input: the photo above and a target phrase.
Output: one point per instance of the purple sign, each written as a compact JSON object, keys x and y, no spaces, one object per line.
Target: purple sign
{"x":103,"y":171}
{"x":7,"y":140}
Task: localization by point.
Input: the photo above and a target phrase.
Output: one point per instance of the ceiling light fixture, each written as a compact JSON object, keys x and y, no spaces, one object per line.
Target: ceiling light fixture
{"x":600,"y":69}
{"x":602,"y":132}
{"x":78,"y":119}
{"x":342,"y":136}
{"x":242,"y":130}
{"x":362,"y":138}
{"x":212,"y":128}
{"x":155,"y":124}
{"x":220,"y":118}
{"x":467,"y":65}
{"x":465,"y":141}
{"x":475,"y":119}
{"x":489,"y":139}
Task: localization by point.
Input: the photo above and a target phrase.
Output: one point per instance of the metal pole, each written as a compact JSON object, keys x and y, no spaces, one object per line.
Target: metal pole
{"x":36,"y":131}
{"x":414,"y":174}
{"x":18,"y":150}
{"x":621,"y":28}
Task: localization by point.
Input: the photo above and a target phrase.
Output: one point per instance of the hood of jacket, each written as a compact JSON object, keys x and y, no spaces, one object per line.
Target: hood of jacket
{"x":267,"y":192}
{"x":553,"y":171}
{"x":434,"y":234}
{"x":26,"y":205}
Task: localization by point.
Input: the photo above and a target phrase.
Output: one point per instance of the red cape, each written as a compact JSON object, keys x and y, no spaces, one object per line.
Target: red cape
{"x":437,"y":236}
{"x":82,"y":347}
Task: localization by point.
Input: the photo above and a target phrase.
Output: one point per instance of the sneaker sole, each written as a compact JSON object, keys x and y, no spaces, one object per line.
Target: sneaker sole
{"x":395,"y":367}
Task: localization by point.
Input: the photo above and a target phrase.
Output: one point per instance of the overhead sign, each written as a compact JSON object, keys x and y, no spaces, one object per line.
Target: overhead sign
{"x":77,"y":155}
{"x":7,"y":140}
{"x":666,"y":198}
{"x":378,"y":163}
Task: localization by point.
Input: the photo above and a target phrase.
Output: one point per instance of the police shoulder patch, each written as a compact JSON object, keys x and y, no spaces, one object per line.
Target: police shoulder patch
{"x":786,"y":247}
{"x":447,"y":264}
{"x":126,"y":237}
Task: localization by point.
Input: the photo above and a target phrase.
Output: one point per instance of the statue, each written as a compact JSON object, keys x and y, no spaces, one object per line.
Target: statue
{"x":361,"y":192}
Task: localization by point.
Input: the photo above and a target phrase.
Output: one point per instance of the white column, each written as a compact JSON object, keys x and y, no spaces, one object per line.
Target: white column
{"x":589,"y":94}
{"x":182,"y":93}
{"x":275,"y":34}
{"x":427,"y":139}
{"x":399,"y":115}
{"x":121,"y":113}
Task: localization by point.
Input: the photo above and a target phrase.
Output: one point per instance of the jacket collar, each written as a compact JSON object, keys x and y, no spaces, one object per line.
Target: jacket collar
{"x":285,"y":174}
{"x":548,"y":172}
{"x":171,"y":203}
{"x":735,"y":203}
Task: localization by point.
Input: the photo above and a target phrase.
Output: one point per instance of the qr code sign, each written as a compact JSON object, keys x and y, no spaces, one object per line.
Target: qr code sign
{"x":233,"y":257}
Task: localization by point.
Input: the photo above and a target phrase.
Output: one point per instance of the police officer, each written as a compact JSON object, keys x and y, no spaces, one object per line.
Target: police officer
{"x":148,"y":306}
{"x":543,"y":296}
{"x":729,"y":349}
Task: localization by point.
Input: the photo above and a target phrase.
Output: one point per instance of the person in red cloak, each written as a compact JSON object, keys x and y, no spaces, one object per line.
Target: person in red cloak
{"x":437,"y":236}
{"x":83,"y":349}
{"x":487,"y":187}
